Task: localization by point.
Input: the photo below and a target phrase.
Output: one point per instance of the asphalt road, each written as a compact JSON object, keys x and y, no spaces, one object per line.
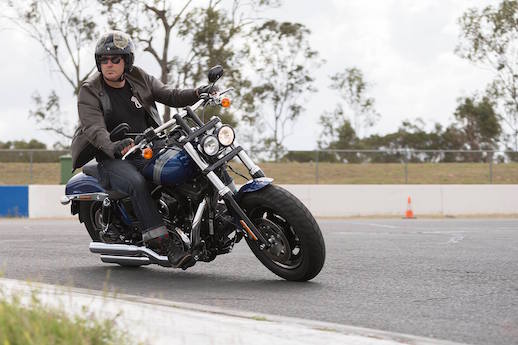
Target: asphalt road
{"x":448,"y":279}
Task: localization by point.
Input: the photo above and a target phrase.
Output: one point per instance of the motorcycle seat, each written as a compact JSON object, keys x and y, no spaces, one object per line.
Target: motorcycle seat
{"x":91,"y":170}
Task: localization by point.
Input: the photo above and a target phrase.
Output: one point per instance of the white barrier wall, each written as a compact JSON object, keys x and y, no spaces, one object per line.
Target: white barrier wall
{"x":391,"y":200}
{"x":44,"y":201}
{"x":353,"y":200}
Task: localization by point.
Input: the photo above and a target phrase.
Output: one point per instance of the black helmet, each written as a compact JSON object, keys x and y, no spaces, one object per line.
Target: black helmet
{"x":115,"y":43}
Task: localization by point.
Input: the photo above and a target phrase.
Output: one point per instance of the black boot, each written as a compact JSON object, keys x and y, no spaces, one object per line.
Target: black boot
{"x":159,"y":240}
{"x":177,"y":255}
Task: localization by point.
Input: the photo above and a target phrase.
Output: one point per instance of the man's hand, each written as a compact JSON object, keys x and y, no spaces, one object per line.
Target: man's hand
{"x":205,"y":89}
{"x":122,"y":147}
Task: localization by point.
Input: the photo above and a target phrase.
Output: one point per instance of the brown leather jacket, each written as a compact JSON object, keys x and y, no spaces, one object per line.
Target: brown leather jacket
{"x":93,"y":103}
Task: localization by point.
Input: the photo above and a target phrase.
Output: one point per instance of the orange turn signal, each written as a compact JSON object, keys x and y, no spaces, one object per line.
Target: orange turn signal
{"x":225,"y":102}
{"x":147,"y":153}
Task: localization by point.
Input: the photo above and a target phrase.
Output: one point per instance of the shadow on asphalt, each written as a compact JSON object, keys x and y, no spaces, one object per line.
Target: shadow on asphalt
{"x":143,"y":280}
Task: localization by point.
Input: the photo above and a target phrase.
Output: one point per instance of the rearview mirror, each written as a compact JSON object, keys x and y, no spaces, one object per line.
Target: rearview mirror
{"x":215,"y":73}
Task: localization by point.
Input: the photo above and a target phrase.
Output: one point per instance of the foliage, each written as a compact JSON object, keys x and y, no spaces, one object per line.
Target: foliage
{"x":343,"y":126}
{"x":64,"y":29}
{"x":49,"y":115}
{"x":479,"y":123}
{"x":43,"y":326}
{"x":489,"y":37}
{"x":207,"y":36}
{"x":476,"y":127}
{"x":284,"y":62}
{"x":22,"y":145}
{"x":353,"y":89}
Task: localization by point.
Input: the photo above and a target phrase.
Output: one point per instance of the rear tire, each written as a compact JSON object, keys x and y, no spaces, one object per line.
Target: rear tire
{"x":90,"y":215}
{"x":299,"y":252}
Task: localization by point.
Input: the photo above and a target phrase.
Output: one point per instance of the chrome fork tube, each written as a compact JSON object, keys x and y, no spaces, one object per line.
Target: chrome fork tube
{"x":195,"y":232}
{"x":249,"y":163}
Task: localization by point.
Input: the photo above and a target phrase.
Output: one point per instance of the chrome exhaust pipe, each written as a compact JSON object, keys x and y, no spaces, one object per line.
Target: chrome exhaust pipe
{"x":126,"y":260}
{"x":126,"y":250}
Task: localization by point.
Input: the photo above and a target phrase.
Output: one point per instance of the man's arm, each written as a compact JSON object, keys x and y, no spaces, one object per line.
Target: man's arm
{"x":92,"y":121}
{"x":170,"y":96}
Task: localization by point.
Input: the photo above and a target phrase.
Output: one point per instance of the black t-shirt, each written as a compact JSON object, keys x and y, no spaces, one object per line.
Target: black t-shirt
{"x":125,"y":108}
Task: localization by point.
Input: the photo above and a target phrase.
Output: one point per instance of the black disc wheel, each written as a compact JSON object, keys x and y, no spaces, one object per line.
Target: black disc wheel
{"x":297,"y":249}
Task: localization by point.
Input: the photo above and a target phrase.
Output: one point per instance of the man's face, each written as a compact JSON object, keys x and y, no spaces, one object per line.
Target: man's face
{"x":112,"y":67}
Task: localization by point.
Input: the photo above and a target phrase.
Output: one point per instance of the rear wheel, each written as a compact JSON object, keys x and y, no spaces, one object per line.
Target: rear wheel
{"x":298,"y":251}
{"x":90,"y":214}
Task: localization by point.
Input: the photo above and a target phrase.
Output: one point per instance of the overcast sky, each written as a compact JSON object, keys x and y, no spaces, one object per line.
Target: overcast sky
{"x":405,"y":48}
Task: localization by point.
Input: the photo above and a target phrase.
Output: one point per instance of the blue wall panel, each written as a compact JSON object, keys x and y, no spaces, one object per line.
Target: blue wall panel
{"x":14,"y":201}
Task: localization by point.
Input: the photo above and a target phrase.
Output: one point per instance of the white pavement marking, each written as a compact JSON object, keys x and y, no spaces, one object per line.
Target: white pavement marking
{"x":374,"y":224}
{"x":155,"y":321}
{"x":455,"y":239}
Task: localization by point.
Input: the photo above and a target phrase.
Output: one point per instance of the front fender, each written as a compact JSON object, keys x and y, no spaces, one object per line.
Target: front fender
{"x":253,"y":185}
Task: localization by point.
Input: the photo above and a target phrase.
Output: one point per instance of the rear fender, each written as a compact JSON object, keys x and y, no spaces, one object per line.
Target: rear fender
{"x":83,"y":184}
{"x":81,"y":188}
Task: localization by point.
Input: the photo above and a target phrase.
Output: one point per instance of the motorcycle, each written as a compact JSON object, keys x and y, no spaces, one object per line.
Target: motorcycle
{"x":187,"y":163}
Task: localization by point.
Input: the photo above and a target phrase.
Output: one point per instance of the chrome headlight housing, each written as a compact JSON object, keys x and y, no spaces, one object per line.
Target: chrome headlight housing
{"x":210,"y":145}
{"x":226,"y":135}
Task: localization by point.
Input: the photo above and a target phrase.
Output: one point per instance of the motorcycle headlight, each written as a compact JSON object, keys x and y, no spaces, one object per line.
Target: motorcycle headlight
{"x":226,"y":135}
{"x":210,"y":145}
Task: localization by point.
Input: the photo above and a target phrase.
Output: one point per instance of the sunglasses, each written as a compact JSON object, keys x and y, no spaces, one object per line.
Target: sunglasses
{"x":114,"y":59}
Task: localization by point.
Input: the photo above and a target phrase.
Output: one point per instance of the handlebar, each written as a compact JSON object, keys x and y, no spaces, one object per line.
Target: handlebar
{"x":204,"y":100}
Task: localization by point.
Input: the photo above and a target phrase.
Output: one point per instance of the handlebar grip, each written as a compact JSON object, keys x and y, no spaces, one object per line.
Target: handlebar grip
{"x":193,"y":116}
{"x":182,"y":123}
{"x":138,"y":139}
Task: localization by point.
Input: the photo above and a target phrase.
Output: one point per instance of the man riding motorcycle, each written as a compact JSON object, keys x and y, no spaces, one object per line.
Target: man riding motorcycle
{"x":121,"y":92}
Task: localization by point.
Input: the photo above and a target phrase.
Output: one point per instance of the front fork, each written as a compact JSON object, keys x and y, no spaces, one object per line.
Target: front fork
{"x":228,"y":195}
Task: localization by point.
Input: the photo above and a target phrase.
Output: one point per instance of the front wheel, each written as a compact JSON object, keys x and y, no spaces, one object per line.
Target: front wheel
{"x":298,"y":251}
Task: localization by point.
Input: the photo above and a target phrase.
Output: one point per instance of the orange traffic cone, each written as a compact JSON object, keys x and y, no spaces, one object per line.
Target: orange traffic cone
{"x":409,"y":214}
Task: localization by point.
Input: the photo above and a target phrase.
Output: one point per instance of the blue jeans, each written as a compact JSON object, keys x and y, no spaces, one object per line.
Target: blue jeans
{"x":124,"y":176}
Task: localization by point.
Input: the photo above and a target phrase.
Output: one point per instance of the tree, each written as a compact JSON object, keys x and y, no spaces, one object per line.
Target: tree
{"x":489,"y":37}
{"x":22,"y":145}
{"x":64,"y":29}
{"x":353,"y":88}
{"x":207,"y":35}
{"x":342,"y":127}
{"x":479,"y":123}
{"x":284,"y":62}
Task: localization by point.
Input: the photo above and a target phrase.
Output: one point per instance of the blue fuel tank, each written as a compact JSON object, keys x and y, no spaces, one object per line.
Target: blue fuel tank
{"x":170,"y":167}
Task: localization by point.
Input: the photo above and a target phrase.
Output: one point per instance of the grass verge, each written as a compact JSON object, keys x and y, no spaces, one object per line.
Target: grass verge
{"x":40,"y":325}
{"x":324,"y":173}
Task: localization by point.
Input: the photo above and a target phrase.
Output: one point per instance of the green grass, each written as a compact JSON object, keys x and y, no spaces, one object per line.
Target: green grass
{"x":39,"y":325}
{"x":20,"y":173}
{"x":259,"y":318}
{"x":328,"y":173}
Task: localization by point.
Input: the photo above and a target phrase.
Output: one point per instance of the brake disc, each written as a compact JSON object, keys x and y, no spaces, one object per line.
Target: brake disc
{"x":280,"y":249}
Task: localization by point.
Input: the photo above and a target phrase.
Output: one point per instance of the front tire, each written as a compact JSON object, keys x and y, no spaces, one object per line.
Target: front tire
{"x":298,"y":253}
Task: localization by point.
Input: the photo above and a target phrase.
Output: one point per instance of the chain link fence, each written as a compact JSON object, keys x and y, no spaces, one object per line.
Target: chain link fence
{"x":394,"y":166}
{"x":19,"y":167}
{"x":319,"y":167}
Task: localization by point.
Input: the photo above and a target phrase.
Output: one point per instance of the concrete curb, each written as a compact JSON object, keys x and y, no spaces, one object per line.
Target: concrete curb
{"x":167,"y":322}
